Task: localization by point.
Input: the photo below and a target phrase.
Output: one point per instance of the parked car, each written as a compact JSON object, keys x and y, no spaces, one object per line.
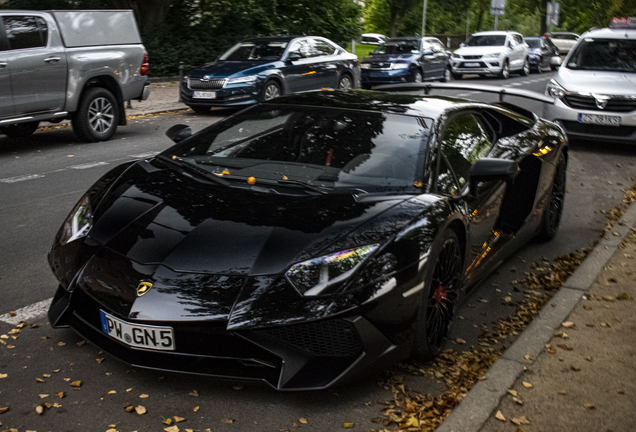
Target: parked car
{"x":372,"y":39}
{"x":492,"y":52}
{"x":406,"y":59}
{"x":563,"y":40}
{"x":80,"y":65}
{"x":264,"y":68}
{"x":308,"y":239}
{"x":541,"y":54}
{"x":595,"y":88}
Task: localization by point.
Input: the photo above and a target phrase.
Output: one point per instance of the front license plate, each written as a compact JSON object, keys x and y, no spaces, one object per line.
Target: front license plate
{"x":598,"y":119}
{"x":203,"y":95}
{"x":137,"y":335}
{"x":471,"y":64}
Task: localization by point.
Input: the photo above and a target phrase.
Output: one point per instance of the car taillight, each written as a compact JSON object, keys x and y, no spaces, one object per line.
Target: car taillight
{"x":145,"y":65}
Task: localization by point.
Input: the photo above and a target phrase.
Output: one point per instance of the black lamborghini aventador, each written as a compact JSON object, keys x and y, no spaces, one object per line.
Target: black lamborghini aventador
{"x":308,"y":239}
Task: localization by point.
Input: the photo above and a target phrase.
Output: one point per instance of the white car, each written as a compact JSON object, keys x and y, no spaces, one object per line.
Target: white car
{"x":372,"y":39}
{"x":563,"y":40}
{"x":595,"y":88}
{"x":491,"y":52}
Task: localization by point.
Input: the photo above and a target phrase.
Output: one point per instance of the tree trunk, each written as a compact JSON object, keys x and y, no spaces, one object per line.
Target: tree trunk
{"x":479,"y":19}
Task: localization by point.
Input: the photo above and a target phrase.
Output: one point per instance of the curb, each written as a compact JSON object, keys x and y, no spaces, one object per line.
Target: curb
{"x":480,"y":402}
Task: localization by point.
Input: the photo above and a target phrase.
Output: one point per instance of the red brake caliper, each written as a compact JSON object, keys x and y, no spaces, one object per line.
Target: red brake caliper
{"x":440,"y":294}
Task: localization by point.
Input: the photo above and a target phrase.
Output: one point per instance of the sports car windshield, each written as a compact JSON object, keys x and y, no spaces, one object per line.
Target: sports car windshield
{"x":489,"y":40}
{"x":614,"y":55}
{"x":398,"y":47}
{"x":255,"y":51}
{"x":324,"y":147}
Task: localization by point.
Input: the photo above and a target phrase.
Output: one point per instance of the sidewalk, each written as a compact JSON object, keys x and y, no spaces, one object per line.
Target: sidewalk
{"x":164,"y":96}
{"x":585,"y":378}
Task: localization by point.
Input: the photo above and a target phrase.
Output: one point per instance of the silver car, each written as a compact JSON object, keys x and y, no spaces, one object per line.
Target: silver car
{"x":595,"y":88}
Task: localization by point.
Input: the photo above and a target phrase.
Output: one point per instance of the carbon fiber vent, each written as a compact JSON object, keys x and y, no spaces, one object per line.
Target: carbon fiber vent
{"x":333,"y":338}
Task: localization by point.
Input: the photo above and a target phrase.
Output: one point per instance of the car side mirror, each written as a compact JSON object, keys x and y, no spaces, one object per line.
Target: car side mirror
{"x":490,"y":169}
{"x":179,"y":132}
{"x":292,"y":57}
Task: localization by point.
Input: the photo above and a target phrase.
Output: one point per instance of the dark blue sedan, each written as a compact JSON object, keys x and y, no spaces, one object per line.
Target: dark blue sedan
{"x":406,"y":59}
{"x":263,"y":68}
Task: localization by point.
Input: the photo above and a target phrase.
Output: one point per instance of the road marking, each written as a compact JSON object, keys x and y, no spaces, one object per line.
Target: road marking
{"x":525,"y":82}
{"x":517,"y":84}
{"x":21,"y":178}
{"x":144,"y":155}
{"x":88,"y":165}
{"x":28,"y":313}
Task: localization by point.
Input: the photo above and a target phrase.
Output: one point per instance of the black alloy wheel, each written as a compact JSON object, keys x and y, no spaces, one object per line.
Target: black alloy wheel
{"x":554,"y":210}
{"x":439,"y":303}
{"x":271,"y":90}
{"x":20,"y":130}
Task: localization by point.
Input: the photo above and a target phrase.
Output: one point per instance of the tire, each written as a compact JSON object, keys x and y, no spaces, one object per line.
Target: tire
{"x":346,"y":82}
{"x":448,"y":75}
{"x":525,"y":70}
{"x":457,"y":76}
{"x":439,"y":302}
{"x":505,"y":70}
{"x":200,"y":109}
{"x":540,"y":66}
{"x":97,"y":116}
{"x":20,"y":130}
{"x":418,"y":77}
{"x":554,"y":210}
{"x":271,"y":90}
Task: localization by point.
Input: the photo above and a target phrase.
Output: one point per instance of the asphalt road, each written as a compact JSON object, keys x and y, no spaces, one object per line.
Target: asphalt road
{"x":40,"y":180}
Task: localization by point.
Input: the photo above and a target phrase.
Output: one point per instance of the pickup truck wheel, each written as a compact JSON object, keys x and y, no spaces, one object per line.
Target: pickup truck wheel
{"x":97,"y":116}
{"x":20,"y":130}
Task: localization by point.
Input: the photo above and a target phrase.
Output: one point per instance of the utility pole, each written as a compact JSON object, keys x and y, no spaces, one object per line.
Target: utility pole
{"x":467,"y":23}
{"x":424,"y":18}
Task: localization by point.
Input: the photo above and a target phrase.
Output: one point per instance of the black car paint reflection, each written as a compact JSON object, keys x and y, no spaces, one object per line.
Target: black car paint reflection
{"x":218,"y":248}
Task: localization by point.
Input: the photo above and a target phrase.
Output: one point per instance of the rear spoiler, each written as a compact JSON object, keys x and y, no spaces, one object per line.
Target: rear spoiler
{"x":501,"y":91}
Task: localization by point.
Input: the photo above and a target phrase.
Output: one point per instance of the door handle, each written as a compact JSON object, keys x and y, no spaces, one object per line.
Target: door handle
{"x":52,"y":60}
{"x":2,"y":65}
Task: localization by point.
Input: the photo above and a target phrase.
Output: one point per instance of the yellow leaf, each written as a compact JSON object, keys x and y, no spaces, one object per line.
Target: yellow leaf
{"x":56,"y":370}
{"x":76,"y":384}
{"x":112,"y":392}
{"x":194,"y":393}
{"x":167,"y":421}
{"x":527,"y":385}
{"x":178,"y":419}
{"x":60,"y":394}
{"x":4,"y":410}
{"x":39,"y":409}
{"x":112,"y":430}
{"x":303,"y":420}
{"x":520,"y":420}
{"x":172,"y":429}
{"x":61,"y":344}
{"x":42,"y":396}
{"x":144,"y":396}
{"x":227,"y":420}
{"x":140,"y":410}
{"x":40,"y":380}
{"x":189,"y":430}
{"x":46,"y":375}
{"x":500,"y":416}
{"x":48,"y":405}
{"x":3,"y":375}
{"x":99,"y":360}
{"x":513,"y":392}
{"x":568,"y":324}
{"x":129,"y":408}
{"x":127,"y":390}
{"x":519,"y":401}
{"x":349,"y":425}
{"x":196,"y":408}
{"x":57,"y":405}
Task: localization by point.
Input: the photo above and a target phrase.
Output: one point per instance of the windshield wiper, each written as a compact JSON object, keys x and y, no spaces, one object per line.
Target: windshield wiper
{"x":303,"y":185}
{"x":192,"y":168}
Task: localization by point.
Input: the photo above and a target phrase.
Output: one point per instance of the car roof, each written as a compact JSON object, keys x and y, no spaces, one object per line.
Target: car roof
{"x":379,"y":101}
{"x":532,"y":38}
{"x":280,"y":38}
{"x":374,"y":34}
{"x":608,"y":33}
{"x":495,"y":32}
{"x":405,"y":38}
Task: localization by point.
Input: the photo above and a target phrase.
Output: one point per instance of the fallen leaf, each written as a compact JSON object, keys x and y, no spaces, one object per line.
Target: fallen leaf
{"x":527,"y":385}
{"x":99,"y":360}
{"x":80,"y":343}
{"x":349,"y":425}
{"x":195,"y":409}
{"x":500,"y":416}
{"x":39,"y":409}
{"x":194,"y":393}
{"x":563,"y":392}
{"x":3,"y":375}
{"x":568,"y":324}
{"x":528,"y":357}
{"x":140,"y":410}
{"x":112,"y":392}
{"x":127,"y":390}
{"x":520,"y":420}
{"x":46,"y":375}
{"x":4,"y":410}
{"x":42,"y":396}
{"x":589,"y":406}
{"x":513,"y":392}
{"x":460,"y":341}
{"x":40,"y":380}
{"x":227,"y":420}
{"x":129,"y":408}
{"x":178,"y":419}
{"x":61,"y":343}
{"x":517,"y":400}
{"x":303,"y":420}
{"x":144,"y":396}
{"x":167,"y":421}
{"x":61,"y":394}
{"x":172,"y":429}
{"x":76,"y":384}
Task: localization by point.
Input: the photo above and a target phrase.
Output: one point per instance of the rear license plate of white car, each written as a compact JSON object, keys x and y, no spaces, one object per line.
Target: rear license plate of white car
{"x":471,"y":64}
{"x":138,"y":335}
{"x":601,"y":120}
{"x":204,"y":95}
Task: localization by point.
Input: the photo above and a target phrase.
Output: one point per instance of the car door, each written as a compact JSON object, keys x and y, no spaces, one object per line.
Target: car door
{"x":467,"y":138}
{"x":427,"y":60}
{"x":38,"y":72}
{"x":441,"y":58}
{"x":6,"y":99}
{"x":300,"y":72}
{"x":522,"y":48}
{"x":326,"y":61}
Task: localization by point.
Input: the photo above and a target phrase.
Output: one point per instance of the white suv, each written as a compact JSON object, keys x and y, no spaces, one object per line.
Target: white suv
{"x":491,"y":52}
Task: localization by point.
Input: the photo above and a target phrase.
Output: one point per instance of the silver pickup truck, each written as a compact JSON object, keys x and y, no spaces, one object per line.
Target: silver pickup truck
{"x":81,"y":65}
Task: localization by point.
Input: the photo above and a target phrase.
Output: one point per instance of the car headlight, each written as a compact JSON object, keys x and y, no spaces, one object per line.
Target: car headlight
{"x":399,"y":65}
{"x":456,"y":56}
{"x":314,"y":276}
{"x":493,"y":55}
{"x":78,"y":223}
{"x":244,"y":79}
{"x":555,"y":90}
{"x":365,"y":66}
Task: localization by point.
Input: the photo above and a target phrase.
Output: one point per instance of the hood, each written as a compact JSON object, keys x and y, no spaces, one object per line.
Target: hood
{"x":601,"y":82}
{"x":388,"y":58}
{"x":157,"y":216}
{"x":479,"y":50}
{"x":224,"y":69}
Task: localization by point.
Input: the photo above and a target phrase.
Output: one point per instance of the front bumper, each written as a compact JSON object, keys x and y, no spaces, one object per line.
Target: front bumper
{"x":569,"y":119}
{"x":372,"y":77}
{"x":479,"y":66}
{"x":229,"y":95}
{"x":309,"y":355}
